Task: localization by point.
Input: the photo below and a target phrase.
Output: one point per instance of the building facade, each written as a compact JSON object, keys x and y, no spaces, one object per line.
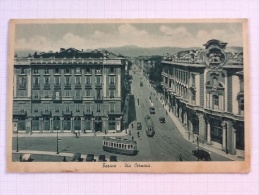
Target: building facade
{"x":68,"y":91}
{"x":205,"y":91}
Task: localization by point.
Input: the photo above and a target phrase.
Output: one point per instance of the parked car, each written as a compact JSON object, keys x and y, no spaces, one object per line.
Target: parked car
{"x":77,"y":157}
{"x":102,"y":158}
{"x":113,"y":158}
{"x":139,"y":126}
{"x":162,"y":119}
{"x":90,"y":158}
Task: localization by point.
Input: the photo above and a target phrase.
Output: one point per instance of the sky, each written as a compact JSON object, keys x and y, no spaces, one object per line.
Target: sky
{"x":52,"y":37}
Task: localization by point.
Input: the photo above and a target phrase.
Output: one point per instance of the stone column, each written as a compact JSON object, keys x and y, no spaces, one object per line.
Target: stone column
{"x":72,"y":128}
{"x":208,"y":132}
{"x":62,"y":124}
{"x":224,"y":135}
{"x":202,"y":127}
{"x":92,"y":126}
{"x":51,"y":125}
{"x":41,"y":124}
{"x":82,"y":124}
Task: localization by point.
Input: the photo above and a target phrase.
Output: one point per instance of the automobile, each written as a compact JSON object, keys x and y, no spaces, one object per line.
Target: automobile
{"x":90,"y":158}
{"x":113,"y":158}
{"x":202,"y":155}
{"x":162,"y":119}
{"x":77,"y":157}
{"x":101,"y":158}
{"x":139,"y":126}
{"x":152,"y":110}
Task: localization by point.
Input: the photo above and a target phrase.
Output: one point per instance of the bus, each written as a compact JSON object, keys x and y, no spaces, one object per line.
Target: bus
{"x":120,"y":145}
{"x":149,"y":126}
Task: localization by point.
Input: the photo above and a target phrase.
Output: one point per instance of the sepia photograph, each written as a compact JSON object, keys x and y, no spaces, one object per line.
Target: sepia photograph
{"x":156,"y":96}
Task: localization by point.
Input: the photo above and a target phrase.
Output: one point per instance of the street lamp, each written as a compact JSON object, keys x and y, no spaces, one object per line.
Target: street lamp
{"x":17,"y":141}
{"x":57,"y":142}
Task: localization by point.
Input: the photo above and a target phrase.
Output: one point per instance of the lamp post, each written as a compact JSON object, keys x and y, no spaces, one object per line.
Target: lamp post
{"x":57,"y":142}
{"x":17,"y":141}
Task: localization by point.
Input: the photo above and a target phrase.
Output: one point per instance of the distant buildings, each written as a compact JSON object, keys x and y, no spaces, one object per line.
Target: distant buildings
{"x":205,"y":90}
{"x":70,"y":90}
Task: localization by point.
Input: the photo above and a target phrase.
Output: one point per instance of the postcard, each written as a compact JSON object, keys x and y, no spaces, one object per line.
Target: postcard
{"x":141,"y":96}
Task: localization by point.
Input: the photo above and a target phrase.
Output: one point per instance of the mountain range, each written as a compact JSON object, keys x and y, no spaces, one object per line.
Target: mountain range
{"x":132,"y":50}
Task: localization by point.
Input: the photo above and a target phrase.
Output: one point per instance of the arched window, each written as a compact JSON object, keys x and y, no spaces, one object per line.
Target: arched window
{"x":215,"y":81}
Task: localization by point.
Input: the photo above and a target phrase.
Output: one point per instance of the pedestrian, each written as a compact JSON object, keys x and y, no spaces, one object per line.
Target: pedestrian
{"x":64,"y":159}
{"x":138,"y":134}
{"x":105,"y":132}
{"x":132,"y":126}
{"x":20,"y":157}
{"x":180,"y":157}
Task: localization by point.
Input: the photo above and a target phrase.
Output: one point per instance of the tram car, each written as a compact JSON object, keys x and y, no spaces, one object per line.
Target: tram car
{"x":150,"y":131}
{"x":120,"y":145}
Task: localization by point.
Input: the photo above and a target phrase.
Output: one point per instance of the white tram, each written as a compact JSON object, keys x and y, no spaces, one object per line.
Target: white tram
{"x":120,"y":145}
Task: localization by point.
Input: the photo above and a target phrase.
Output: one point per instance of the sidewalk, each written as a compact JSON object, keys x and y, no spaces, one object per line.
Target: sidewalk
{"x":69,"y":134}
{"x":184,"y":133}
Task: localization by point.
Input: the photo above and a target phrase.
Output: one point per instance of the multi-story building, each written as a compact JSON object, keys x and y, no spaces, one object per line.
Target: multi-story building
{"x":69,"y":90}
{"x":205,"y":90}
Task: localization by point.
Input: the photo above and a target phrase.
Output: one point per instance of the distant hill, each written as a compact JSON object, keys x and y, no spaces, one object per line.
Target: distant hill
{"x":132,"y":50}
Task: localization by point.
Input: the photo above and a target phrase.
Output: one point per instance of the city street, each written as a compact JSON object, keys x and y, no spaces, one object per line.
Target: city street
{"x":166,"y":145}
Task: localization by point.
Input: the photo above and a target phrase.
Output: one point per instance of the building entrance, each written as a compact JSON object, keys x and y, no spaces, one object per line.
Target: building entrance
{"x":98,"y":126}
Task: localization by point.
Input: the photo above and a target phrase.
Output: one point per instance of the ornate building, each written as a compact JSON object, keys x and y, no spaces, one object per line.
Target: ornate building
{"x":69,"y":91}
{"x":205,"y":90}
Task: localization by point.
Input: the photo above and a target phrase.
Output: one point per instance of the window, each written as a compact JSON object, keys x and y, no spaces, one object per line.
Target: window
{"x":67,"y":80}
{"x":57,"y":80}
{"x":36,"y":81}
{"x":98,"y":94}
{"x":87,"y":107}
{"x":22,"y":71}
{"x":46,"y":107}
{"x":46,"y":93}
{"x":88,"y":80}
{"x":98,"y":107}
{"x":216,"y":102}
{"x":46,"y":80}
{"x":57,"y":95}
{"x":77,"y":80}
{"x":67,"y":93}
{"x":215,"y":81}
{"x":35,"y":71}
{"x":56,"y":108}
{"x":112,"y":93}
{"x":67,"y":71}
{"x":112,"y":70}
{"x":77,"y":93}
{"x":112,"y":80}
{"x":77,"y":108}
{"x":112,"y":107}
{"x":98,"y":71}
{"x":193,"y":79}
{"x":88,"y":70}
{"x":67,"y":108}
{"x":46,"y":71}
{"x":78,"y":70}
{"x":242,"y":107}
{"x":56,"y":71}
{"x":88,"y":93}
{"x":193,"y":98}
{"x":98,"y":80}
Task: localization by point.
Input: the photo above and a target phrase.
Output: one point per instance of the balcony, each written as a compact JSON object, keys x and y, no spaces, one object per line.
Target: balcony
{"x":20,"y":113}
{"x":98,"y":85}
{"x":57,"y":86}
{"x":67,"y":113}
{"x":78,"y":98}
{"x":112,"y":85}
{"x":36,"y":86}
{"x":35,"y":98}
{"x":98,"y":99}
{"x":46,"y":86}
{"x":46,"y":113}
{"x":78,"y":86}
{"x":88,"y":85}
{"x":115,"y":113}
{"x":88,"y":113}
{"x":22,"y":86}
{"x":56,"y":98}
{"x":67,"y":85}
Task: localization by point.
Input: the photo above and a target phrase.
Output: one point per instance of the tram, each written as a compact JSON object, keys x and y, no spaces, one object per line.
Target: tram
{"x":120,"y":145}
{"x":149,"y":126}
